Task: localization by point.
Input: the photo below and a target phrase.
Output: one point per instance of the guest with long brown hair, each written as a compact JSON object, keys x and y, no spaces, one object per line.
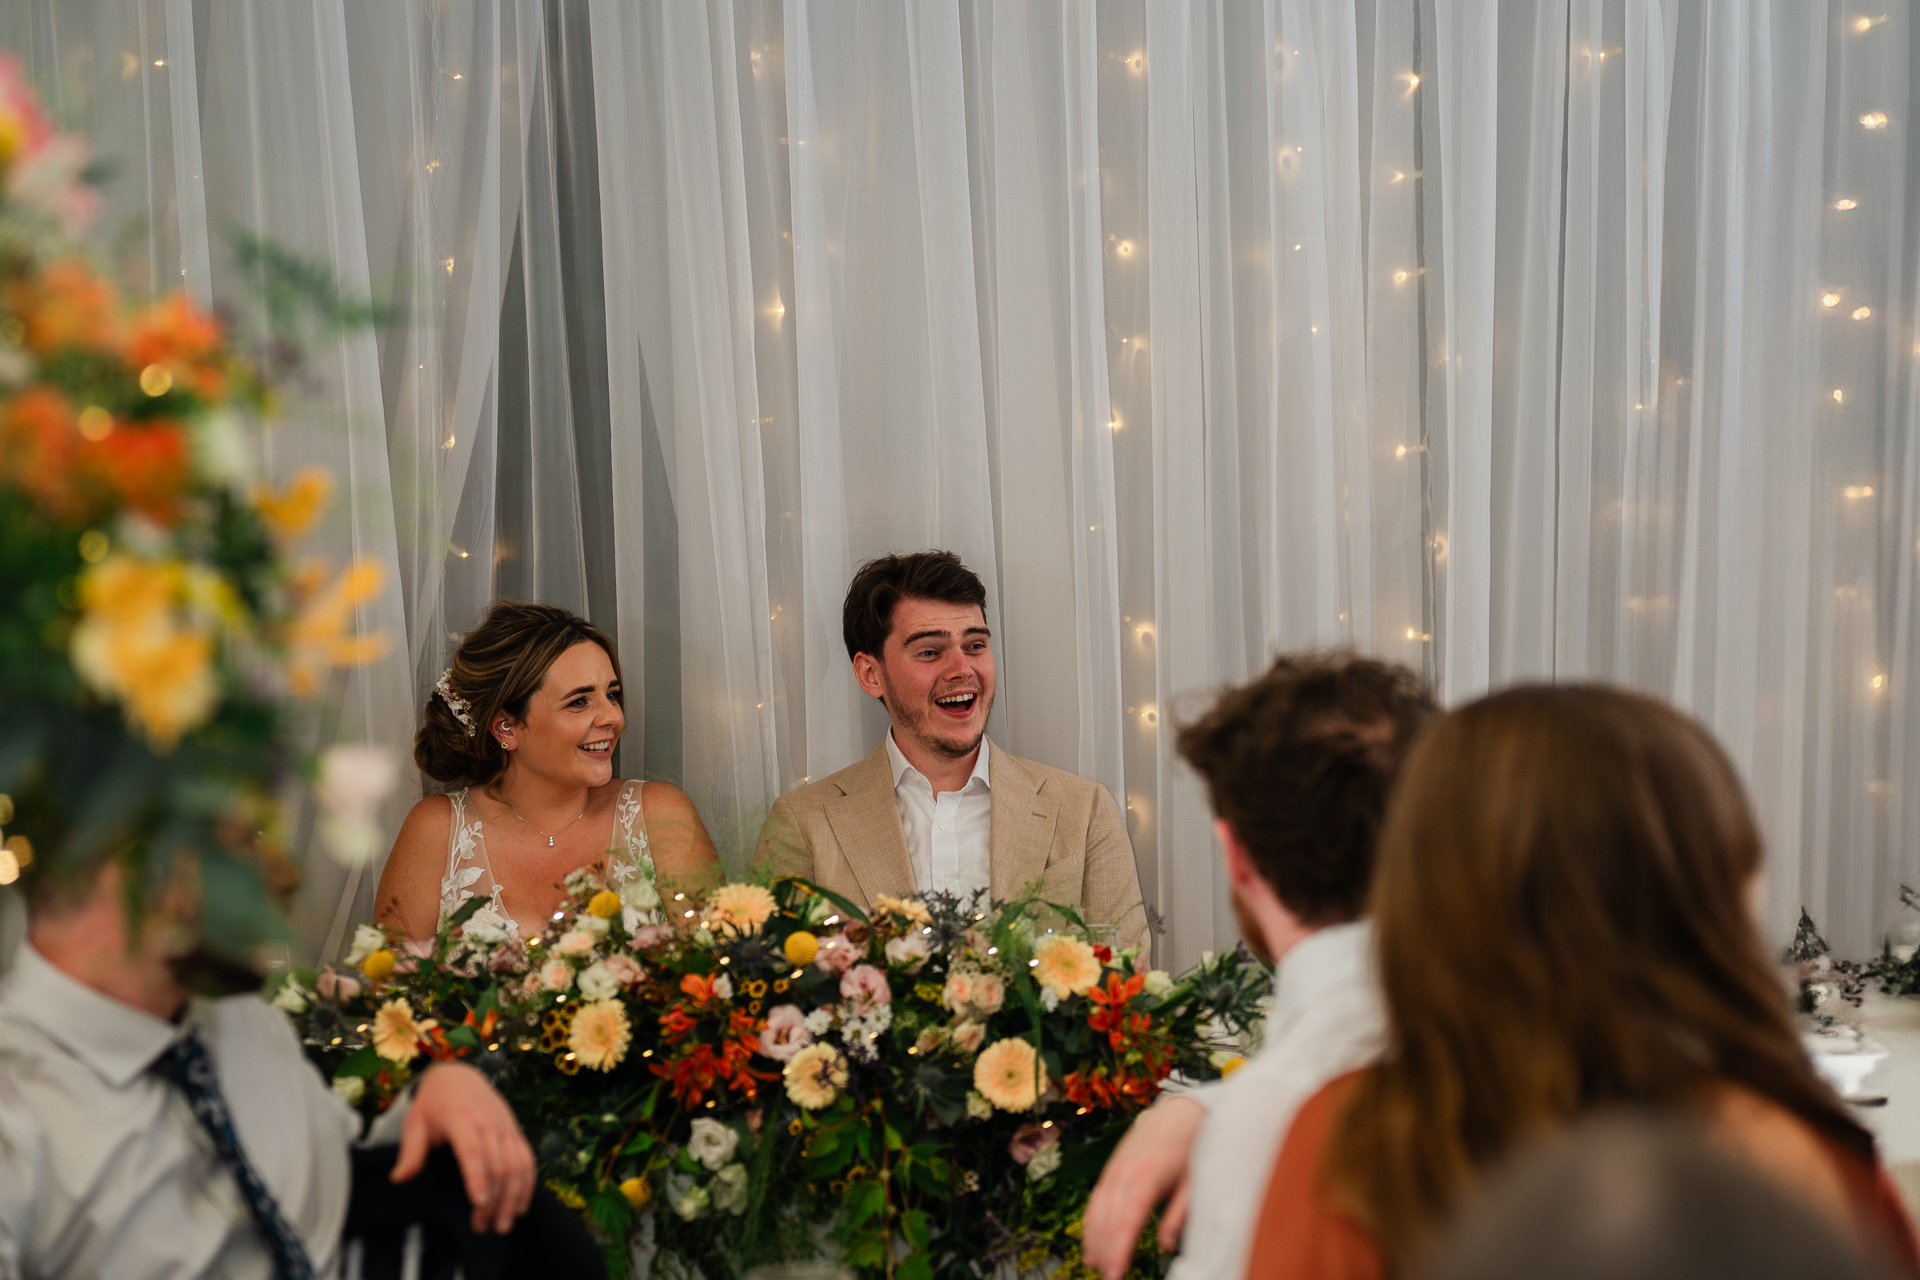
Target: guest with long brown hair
{"x":1562,"y":904}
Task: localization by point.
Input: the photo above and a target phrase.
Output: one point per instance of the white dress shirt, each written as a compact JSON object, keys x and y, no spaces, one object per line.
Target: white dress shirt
{"x":1327,"y":1020}
{"x":949,"y":836}
{"x":105,"y":1171}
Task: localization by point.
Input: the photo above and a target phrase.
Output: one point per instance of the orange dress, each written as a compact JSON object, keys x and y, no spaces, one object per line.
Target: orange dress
{"x":1302,"y":1235}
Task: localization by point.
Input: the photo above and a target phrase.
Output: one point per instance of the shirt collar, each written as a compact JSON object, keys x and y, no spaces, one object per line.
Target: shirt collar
{"x":115,"y":1040}
{"x":901,"y":766}
{"x":1338,"y":955}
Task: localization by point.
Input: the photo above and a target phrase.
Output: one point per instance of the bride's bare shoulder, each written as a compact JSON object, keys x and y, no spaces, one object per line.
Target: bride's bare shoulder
{"x":409,"y":892}
{"x":428,"y":824}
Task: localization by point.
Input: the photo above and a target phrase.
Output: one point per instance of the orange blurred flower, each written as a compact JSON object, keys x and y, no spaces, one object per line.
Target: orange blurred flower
{"x":144,"y":467}
{"x":181,"y":339}
{"x":66,"y":307}
{"x":319,"y":638}
{"x":288,"y":513}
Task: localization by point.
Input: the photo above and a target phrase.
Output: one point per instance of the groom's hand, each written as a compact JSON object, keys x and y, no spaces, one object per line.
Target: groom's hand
{"x":1148,"y":1167}
{"x":455,"y":1105}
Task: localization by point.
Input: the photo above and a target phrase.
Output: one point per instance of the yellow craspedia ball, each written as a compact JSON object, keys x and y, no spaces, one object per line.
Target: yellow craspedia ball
{"x":801,"y":947}
{"x":637,"y":1192}
{"x":1231,"y":1065}
{"x":379,"y":965}
{"x":605,"y":904}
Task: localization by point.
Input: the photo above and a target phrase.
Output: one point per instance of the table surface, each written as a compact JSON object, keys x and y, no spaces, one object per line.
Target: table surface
{"x":1895,"y":1023}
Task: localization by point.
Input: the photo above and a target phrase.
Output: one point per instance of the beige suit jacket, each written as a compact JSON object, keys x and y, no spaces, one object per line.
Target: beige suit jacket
{"x":1050,"y":828}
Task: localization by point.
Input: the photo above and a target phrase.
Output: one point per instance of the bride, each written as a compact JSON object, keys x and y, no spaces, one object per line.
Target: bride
{"x":519,"y":734}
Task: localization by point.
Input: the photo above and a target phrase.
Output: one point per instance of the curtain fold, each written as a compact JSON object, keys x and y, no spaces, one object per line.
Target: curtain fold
{"x":1511,"y":341}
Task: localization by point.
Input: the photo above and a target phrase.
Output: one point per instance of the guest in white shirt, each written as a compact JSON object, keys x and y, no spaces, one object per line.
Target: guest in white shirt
{"x":147,"y":1133}
{"x":1298,"y":765}
{"x":936,"y":806}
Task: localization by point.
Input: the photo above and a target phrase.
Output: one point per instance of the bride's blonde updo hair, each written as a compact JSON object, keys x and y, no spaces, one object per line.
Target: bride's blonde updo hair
{"x":498,"y":666}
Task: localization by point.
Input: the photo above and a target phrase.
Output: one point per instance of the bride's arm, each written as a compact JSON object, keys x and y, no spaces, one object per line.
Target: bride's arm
{"x":684,"y":859}
{"x":409,"y":893}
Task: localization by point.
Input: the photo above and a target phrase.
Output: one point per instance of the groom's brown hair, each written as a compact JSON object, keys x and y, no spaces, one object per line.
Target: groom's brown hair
{"x":879,"y":585}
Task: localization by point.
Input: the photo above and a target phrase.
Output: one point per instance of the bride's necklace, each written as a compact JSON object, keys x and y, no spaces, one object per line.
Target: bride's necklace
{"x":550,"y":839}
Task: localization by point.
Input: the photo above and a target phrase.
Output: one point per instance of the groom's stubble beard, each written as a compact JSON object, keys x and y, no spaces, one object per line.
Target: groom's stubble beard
{"x":939,"y":746}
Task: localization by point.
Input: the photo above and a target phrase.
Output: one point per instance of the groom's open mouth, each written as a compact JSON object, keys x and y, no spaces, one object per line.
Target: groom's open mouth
{"x":958,"y":705}
{"x":600,"y":750}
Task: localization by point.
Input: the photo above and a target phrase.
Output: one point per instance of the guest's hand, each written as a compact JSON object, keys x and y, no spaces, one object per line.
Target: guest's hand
{"x":455,"y":1105}
{"x":1148,"y":1167}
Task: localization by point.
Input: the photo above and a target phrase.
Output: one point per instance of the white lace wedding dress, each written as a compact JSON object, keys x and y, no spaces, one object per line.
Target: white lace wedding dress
{"x":469,"y":874}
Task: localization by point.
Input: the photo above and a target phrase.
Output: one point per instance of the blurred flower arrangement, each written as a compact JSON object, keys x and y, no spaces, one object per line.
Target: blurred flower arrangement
{"x":158,"y":619}
{"x":940,"y":1080}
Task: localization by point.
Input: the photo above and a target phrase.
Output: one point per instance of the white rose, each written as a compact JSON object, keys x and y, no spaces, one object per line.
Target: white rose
{"x":691,"y":1203}
{"x":485,"y":926}
{"x":1050,"y":998}
{"x":820,"y":1021}
{"x":292,"y":998}
{"x":594,"y":926}
{"x":642,"y":895}
{"x":723,"y":987}
{"x":1159,"y":982}
{"x":354,"y":779}
{"x":597,"y":982}
{"x":556,"y":975}
{"x":910,"y":949}
{"x":703,"y":937}
{"x":730,"y":1189}
{"x":1904,"y":952}
{"x":349,"y":1089}
{"x":366,"y":941}
{"x":1044,"y":1162}
{"x":712,"y":1143}
{"x":978,"y":1108}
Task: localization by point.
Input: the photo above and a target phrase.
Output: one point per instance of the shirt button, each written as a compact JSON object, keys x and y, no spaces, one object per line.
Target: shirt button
{"x":943,"y":826}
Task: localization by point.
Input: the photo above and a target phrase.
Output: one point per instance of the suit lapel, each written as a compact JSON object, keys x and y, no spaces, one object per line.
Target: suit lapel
{"x":866,"y":822}
{"x":1023,"y":819}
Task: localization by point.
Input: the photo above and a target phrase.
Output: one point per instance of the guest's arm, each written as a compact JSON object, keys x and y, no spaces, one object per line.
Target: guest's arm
{"x":1147,"y":1169}
{"x":454,"y":1105}
{"x":1110,"y":887}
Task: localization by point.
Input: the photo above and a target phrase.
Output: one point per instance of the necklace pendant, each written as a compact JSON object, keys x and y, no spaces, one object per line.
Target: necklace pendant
{"x":549,"y":842}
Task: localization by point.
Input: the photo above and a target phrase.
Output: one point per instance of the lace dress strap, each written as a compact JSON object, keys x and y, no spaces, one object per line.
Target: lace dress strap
{"x":467,"y":863}
{"x":629,"y":862}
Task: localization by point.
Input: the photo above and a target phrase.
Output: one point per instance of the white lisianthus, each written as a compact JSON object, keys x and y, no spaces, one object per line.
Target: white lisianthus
{"x":292,"y":998}
{"x":1159,"y":982}
{"x":1044,"y":1162}
{"x":909,"y":950}
{"x":485,"y":926}
{"x":349,"y":1089}
{"x":597,"y":982}
{"x":691,"y":1203}
{"x":642,"y":896}
{"x":712,"y":1143}
{"x":730,"y":1189}
{"x":594,"y":926}
{"x":366,"y":941}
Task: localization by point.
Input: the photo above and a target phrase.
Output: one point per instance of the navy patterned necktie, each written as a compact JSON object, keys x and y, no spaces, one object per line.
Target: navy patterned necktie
{"x":186,"y":1065}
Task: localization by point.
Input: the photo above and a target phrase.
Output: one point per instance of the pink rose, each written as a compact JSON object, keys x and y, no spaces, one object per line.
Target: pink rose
{"x":624,"y":970}
{"x":577,"y":943}
{"x":336,"y":986}
{"x":989,"y":992}
{"x":958,"y":993}
{"x":649,"y":935}
{"x":837,"y":955}
{"x":786,"y":1033}
{"x":968,"y":1035}
{"x":508,"y":957}
{"x":556,"y":975}
{"x":928,"y":1041}
{"x":866,"y":988}
{"x":1028,"y":1139}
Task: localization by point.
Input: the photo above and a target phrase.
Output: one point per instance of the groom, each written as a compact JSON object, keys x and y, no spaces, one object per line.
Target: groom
{"x":937,"y":806}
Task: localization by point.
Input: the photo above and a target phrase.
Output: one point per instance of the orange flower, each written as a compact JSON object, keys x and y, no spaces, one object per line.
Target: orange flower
{"x":36,"y":452}
{"x":66,"y":307}
{"x":288,"y":513}
{"x":318,"y":639}
{"x":697,"y":986}
{"x":143,"y":467}
{"x":184,"y":341}
{"x":676,"y":1023}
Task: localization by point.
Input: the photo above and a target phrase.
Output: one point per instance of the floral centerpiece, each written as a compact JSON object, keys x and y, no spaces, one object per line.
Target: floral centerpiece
{"x":157,"y":621}
{"x":773,"y":1074}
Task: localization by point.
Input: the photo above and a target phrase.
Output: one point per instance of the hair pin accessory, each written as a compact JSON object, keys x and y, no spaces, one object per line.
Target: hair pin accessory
{"x":460,"y":707}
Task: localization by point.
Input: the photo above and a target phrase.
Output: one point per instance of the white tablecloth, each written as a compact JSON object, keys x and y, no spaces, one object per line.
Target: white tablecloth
{"x":1895,"y":1023}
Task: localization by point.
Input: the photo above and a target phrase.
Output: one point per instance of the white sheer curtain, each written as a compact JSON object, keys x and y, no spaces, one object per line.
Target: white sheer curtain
{"x":1508,"y":340}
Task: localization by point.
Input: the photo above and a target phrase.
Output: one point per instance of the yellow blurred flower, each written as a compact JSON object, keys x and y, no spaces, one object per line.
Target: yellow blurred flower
{"x":288,"y":513}
{"x":132,"y":643}
{"x":637,"y":1192}
{"x":600,"y":1035}
{"x":815,"y":1076}
{"x":379,"y":965}
{"x":318,"y":638}
{"x":911,"y":908}
{"x":604,"y":904}
{"x":396,"y":1033}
